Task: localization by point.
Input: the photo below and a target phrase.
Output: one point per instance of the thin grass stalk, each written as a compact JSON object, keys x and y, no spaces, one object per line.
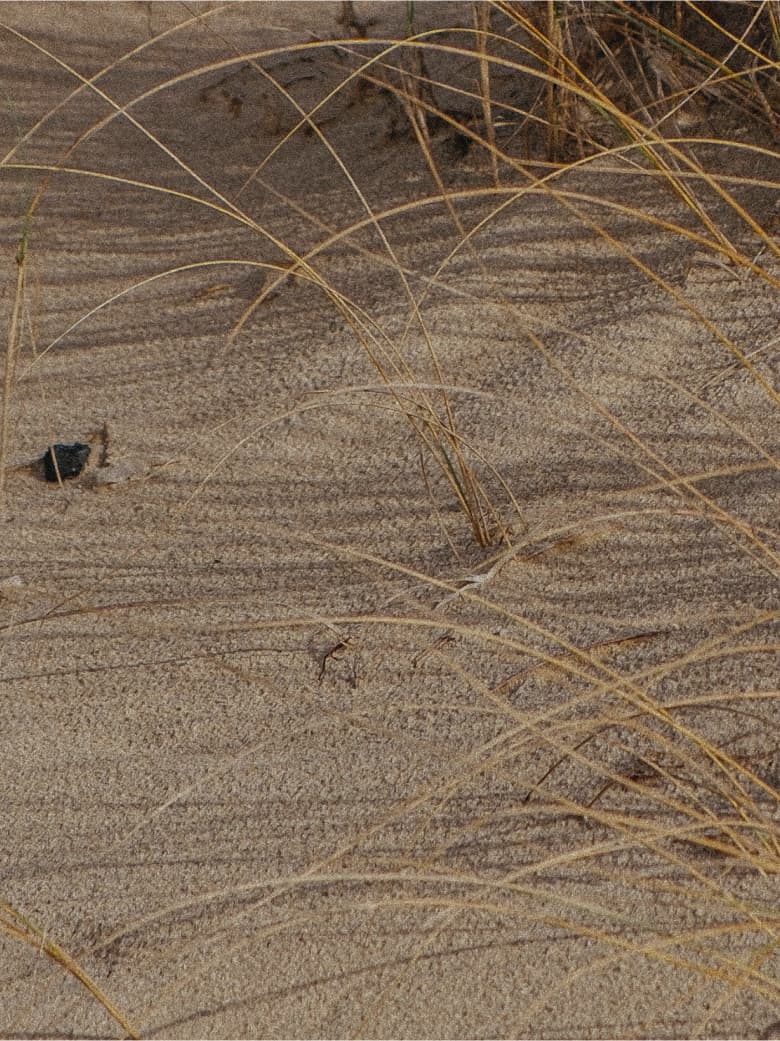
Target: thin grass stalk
{"x":17,"y":926}
{"x":482,"y":25}
{"x":12,"y":350}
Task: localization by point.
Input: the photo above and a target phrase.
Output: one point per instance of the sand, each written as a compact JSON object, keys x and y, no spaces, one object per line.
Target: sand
{"x":266,"y":773}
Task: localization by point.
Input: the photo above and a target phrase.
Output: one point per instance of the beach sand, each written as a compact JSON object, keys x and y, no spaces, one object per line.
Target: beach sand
{"x":272,"y":766}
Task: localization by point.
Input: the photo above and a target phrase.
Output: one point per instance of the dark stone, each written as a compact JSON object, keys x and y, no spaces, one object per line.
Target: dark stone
{"x":71,"y":460}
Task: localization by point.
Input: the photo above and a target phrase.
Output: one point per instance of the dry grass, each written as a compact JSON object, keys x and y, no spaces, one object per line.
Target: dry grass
{"x":669,"y":796}
{"x":19,"y":928}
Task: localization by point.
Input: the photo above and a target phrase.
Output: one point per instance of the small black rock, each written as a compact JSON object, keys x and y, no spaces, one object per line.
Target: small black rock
{"x":71,"y":460}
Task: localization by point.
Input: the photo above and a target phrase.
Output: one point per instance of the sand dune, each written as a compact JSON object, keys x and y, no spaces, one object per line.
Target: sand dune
{"x":272,"y":765}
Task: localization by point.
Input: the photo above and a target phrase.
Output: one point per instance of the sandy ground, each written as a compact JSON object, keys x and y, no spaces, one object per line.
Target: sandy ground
{"x":236,"y":834}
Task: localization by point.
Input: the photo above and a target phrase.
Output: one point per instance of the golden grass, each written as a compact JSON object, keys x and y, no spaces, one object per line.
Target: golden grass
{"x":12,"y":352}
{"x":663,"y":808}
{"x":20,"y":928}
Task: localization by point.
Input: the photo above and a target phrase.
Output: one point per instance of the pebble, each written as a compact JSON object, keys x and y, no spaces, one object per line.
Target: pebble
{"x":71,"y":460}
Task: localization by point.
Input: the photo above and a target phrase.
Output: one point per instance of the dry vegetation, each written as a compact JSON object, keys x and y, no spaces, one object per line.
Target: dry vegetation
{"x":633,"y":797}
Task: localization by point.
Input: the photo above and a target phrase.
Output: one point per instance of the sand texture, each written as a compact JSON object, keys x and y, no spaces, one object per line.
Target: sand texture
{"x":273,"y":764}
